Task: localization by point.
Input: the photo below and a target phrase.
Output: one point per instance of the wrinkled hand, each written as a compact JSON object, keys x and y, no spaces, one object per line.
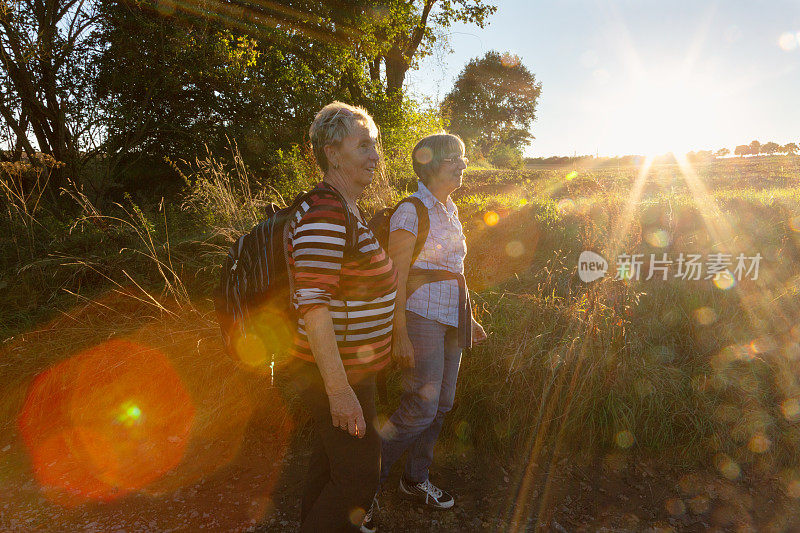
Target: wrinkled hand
{"x":346,"y":412}
{"x":478,"y":334}
{"x":402,"y":350}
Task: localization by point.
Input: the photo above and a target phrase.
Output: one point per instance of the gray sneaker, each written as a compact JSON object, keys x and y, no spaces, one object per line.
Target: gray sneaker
{"x":427,"y":493}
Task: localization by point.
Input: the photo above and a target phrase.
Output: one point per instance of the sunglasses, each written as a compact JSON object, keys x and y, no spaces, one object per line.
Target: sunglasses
{"x":456,"y":159}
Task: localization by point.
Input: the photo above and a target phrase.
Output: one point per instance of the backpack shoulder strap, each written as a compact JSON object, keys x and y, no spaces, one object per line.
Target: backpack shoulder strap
{"x":350,"y":226}
{"x":423,"y":224}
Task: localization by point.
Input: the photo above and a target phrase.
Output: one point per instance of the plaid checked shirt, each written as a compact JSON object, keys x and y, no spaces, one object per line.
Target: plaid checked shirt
{"x":444,"y":249}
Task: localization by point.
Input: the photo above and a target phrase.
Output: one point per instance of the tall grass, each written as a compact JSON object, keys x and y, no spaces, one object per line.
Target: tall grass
{"x":679,"y":368}
{"x":676,"y":367}
{"x":226,"y":194}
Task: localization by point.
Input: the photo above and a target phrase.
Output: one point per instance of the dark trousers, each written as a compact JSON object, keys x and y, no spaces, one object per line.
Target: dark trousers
{"x":343,"y":474}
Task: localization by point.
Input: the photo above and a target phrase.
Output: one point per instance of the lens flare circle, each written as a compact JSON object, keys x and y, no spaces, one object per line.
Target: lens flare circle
{"x":727,"y":466}
{"x":565,"y":206}
{"x":705,"y":316}
{"x":491,"y":218}
{"x":759,"y":443}
{"x":658,"y":238}
{"x":624,"y":439}
{"x":105,"y":422}
{"x":788,"y":41}
{"x":790,"y":408}
{"x":423,"y":156}
{"x":724,"y":281}
{"x":515,"y":249}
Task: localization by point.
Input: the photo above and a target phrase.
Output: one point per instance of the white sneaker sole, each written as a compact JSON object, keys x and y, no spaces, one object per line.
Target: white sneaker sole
{"x":417,"y":497}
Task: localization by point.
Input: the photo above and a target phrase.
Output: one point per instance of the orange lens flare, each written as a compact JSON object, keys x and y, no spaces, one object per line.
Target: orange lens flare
{"x":105,"y":422}
{"x":268,"y":333}
{"x":491,"y":218}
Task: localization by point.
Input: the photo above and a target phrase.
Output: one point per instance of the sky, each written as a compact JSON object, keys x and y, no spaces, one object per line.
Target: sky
{"x":642,"y":76}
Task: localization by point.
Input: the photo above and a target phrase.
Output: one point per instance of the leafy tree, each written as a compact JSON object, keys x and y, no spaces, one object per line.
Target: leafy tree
{"x":722,"y":152}
{"x":755,"y":148}
{"x":193,"y":79}
{"x":505,"y":156}
{"x":790,"y":148}
{"x":770,"y":148}
{"x":45,"y":81}
{"x":404,"y":31}
{"x":380,"y":37}
{"x":493,"y":103}
{"x":742,"y":150}
{"x":255,"y":72}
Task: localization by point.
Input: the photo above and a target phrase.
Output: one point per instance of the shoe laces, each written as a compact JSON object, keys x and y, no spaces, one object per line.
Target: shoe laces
{"x":375,"y":505}
{"x":430,"y":490}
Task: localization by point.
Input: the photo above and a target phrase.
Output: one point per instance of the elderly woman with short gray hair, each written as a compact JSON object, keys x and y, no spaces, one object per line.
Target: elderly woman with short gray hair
{"x":433,"y":321}
{"x":344,"y":291}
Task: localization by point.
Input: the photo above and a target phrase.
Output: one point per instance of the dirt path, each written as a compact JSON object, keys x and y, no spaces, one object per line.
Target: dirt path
{"x":260,"y":491}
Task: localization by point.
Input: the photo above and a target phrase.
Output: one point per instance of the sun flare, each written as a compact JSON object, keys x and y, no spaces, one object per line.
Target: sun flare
{"x":668,"y":110}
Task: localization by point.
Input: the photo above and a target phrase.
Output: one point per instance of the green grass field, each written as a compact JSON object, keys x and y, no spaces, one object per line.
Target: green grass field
{"x":695,"y":372}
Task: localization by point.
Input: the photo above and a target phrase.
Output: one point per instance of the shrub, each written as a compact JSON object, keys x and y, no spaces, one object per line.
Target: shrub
{"x":401,"y":128}
{"x":504,"y":156}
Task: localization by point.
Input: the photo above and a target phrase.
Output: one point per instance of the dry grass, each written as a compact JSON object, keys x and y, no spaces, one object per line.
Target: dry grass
{"x":224,"y":397}
{"x":678,"y":368}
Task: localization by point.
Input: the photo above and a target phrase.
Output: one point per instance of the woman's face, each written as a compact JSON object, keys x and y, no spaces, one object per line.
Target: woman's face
{"x":451,"y":172}
{"x":357,"y":156}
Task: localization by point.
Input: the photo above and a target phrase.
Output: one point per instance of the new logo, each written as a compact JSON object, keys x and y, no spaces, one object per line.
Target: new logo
{"x":591,"y":266}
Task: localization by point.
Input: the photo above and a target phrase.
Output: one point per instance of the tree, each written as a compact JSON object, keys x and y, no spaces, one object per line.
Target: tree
{"x":45,"y":80}
{"x":493,"y":103}
{"x":770,"y":148}
{"x":722,"y":152}
{"x":405,"y":31}
{"x":790,"y":148}
{"x":254,"y":72}
{"x":195,"y":79}
{"x":383,"y":36}
{"x":742,"y":150}
{"x":505,"y":156}
{"x":755,"y":148}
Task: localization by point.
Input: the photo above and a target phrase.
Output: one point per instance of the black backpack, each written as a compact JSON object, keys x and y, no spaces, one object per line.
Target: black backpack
{"x":379,"y":224}
{"x":253,"y":301}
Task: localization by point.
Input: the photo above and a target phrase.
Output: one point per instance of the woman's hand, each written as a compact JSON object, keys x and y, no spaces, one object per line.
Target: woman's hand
{"x":402,"y":349}
{"x":478,"y":334}
{"x":346,"y":412}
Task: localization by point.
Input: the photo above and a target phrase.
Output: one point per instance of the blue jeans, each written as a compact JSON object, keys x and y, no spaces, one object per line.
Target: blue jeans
{"x":428,"y":392}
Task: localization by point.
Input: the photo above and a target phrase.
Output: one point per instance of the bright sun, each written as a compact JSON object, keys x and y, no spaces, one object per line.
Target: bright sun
{"x":665,"y":110}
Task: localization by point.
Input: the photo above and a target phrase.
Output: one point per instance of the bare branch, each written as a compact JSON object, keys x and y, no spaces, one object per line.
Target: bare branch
{"x":419,"y":30}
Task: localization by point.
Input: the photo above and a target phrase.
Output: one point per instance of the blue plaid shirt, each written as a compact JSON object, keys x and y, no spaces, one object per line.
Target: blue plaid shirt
{"x":445,"y":249}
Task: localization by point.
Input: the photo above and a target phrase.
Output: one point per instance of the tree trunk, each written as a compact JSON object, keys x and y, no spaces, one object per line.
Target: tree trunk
{"x":375,"y":70}
{"x":22,"y":139}
{"x":396,"y":68}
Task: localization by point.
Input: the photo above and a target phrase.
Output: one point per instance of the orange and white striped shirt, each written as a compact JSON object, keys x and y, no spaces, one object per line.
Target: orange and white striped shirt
{"x":357,"y":281}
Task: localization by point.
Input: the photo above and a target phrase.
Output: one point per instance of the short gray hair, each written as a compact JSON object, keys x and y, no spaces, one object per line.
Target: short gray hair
{"x":332,"y":124}
{"x":427,"y":155}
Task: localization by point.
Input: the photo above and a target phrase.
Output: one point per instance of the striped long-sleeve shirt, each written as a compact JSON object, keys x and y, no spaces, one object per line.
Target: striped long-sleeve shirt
{"x":357,"y":281}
